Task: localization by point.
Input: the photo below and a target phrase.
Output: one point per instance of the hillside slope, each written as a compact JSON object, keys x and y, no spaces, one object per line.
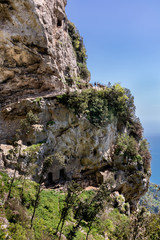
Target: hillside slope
{"x":55,"y":127}
{"x":151,"y":200}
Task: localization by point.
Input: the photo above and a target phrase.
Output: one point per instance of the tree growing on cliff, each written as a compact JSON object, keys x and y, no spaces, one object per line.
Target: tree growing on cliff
{"x":29,"y":166}
{"x":28,"y":122}
{"x":94,"y":207}
{"x":46,"y":164}
{"x":88,"y":209}
{"x":70,"y":200}
{"x":14,"y":155}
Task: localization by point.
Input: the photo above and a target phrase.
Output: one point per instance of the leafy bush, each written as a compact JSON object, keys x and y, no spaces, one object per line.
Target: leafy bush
{"x":80,"y":51}
{"x":16,"y":213}
{"x":4,"y":185}
{"x":89,"y":103}
{"x":30,"y":120}
{"x":51,"y":122}
{"x":99,"y":105}
{"x":17,"y":232}
{"x":127,"y":146}
{"x":77,"y":42}
{"x":38,"y":100}
{"x":135,"y":128}
{"x":2,"y":234}
{"x":145,"y":153}
{"x":137,"y":151}
{"x":34,"y":148}
{"x":84,"y":72}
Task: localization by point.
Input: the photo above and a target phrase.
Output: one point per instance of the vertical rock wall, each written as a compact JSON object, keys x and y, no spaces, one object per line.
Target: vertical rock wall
{"x":36,"y":52}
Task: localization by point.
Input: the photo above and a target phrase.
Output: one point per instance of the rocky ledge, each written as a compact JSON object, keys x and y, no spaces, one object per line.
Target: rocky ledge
{"x":49,"y":111}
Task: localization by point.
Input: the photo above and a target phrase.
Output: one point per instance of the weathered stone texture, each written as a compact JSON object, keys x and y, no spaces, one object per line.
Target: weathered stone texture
{"x":36,"y":52}
{"x":80,"y":150}
{"x":36,"y":58}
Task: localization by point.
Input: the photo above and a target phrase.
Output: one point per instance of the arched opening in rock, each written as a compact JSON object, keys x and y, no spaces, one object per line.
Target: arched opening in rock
{"x":29,"y":144}
{"x":62,"y":174}
{"x":95,"y":152}
{"x":59,"y":23}
{"x":99,"y":178}
{"x":50,"y":177}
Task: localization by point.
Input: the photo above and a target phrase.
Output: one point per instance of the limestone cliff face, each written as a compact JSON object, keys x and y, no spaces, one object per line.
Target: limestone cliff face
{"x":36,"y":53}
{"x":38,"y":62}
{"x":80,"y":151}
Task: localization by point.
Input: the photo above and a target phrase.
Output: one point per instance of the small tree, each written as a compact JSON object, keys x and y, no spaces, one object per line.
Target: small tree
{"x":28,"y":122}
{"x":70,"y":199}
{"x":28,"y":167}
{"x":88,"y":210}
{"x":46,"y":164}
{"x":96,"y":205}
{"x":138,"y":224}
{"x":14,"y":155}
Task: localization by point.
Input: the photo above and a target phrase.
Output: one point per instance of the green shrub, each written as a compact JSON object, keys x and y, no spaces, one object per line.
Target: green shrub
{"x":16,"y":213}
{"x":80,"y":51}
{"x":137,"y":151}
{"x":30,"y":120}
{"x":127,"y":146}
{"x":34,"y":148}
{"x":51,"y":122}
{"x":99,"y":106}
{"x":135,"y":128}
{"x":69,"y":81}
{"x":84,"y":72}
{"x":89,"y":103}
{"x":17,"y":232}
{"x":38,"y":100}
{"x":145,"y":153}
{"x":2,"y":234}
{"x":77,"y":42}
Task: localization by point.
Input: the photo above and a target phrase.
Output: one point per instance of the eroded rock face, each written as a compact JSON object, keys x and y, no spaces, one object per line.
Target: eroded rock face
{"x":37,"y":59}
{"x":36,"y":52}
{"x":80,"y":151}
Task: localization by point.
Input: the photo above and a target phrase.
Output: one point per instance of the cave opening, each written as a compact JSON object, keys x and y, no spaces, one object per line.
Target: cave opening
{"x":99,"y":179}
{"x":62,"y":174}
{"x":95,"y":152}
{"x":29,"y":143}
{"x":50,"y":177}
{"x":59,"y":23}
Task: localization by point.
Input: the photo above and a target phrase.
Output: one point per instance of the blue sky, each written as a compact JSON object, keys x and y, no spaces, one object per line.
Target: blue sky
{"x":122,"y":38}
{"x":123,"y":45}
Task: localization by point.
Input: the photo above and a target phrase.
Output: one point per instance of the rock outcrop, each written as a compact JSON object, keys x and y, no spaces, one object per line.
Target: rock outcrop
{"x":38,"y":62}
{"x":36,"y":52}
{"x":80,"y":151}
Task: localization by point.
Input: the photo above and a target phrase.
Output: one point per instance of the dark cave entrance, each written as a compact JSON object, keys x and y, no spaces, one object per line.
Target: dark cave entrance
{"x":62,"y":174}
{"x":59,"y":23}
{"x":50,"y":175}
{"x":29,"y":143}
{"x":99,"y":178}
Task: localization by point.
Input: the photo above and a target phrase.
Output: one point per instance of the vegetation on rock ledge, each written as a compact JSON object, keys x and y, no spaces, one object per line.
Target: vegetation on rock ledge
{"x":80,"y":51}
{"x":98,"y":106}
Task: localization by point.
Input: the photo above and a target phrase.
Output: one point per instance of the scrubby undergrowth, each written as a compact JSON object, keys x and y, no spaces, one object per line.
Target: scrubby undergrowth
{"x":109,"y":223}
{"x":105,"y":104}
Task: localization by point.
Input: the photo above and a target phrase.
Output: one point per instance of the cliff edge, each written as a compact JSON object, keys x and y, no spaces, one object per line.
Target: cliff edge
{"x":48,"y":109}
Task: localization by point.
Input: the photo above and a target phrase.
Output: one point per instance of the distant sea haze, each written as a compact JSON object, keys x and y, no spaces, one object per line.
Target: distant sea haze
{"x":155,"y":152}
